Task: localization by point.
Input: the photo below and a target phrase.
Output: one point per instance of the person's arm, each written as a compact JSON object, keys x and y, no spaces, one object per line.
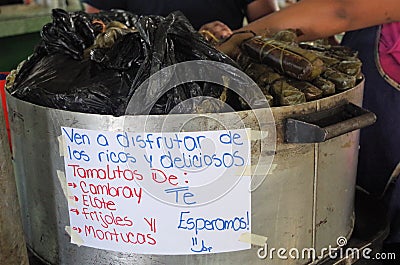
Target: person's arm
{"x":94,"y":6}
{"x":254,"y":10}
{"x":321,"y":18}
{"x":90,"y":9}
{"x":260,"y":8}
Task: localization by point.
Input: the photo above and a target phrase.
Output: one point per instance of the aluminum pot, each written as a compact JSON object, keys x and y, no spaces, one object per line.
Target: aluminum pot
{"x":306,"y":201}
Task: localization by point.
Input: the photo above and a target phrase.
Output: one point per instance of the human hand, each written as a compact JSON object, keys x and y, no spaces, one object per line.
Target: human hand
{"x":231,"y":46}
{"x":215,"y":31}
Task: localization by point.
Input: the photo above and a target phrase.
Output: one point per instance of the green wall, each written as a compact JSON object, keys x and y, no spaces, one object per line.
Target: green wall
{"x":15,"y":49}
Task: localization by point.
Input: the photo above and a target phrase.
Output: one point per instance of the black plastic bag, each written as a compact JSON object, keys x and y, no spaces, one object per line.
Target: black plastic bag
{"x":72,"y":70}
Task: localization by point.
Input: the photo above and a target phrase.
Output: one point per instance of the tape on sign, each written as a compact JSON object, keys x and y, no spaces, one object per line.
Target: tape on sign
{"x":253,"y":239}
{"x":61,"y":146}
{"x":67,"y":191}
{"x":75,"y":237}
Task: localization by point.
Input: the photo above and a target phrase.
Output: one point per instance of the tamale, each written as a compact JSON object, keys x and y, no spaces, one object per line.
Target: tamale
{"x":310,"y":91}
{"x":255,"y":70}
{"x":341,"y":80}
{"x":284,"y":57}
{"x":352,"y":67}
{"x":286,"y":94}
{"x":327,"y":87}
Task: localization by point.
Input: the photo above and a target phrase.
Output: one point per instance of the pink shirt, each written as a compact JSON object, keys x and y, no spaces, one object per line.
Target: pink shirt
{"x":389,"y":50}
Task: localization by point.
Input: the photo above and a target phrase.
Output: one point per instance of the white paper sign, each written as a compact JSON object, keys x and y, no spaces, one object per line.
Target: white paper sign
{"x":158,"y":193}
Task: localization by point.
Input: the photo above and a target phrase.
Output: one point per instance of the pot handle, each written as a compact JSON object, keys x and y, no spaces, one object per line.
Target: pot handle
{"x":323,"y":125}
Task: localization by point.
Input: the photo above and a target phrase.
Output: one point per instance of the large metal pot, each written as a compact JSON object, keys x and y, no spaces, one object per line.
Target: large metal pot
{"x":306,"y":201}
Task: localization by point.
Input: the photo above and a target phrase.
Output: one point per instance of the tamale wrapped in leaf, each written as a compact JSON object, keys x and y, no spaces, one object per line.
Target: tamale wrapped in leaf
{"x":255,"y":70}
{"x":283,"y":57}
{"x":327,"y":87}
{"x":288,"y":35}
{"x":295,"y":72}
{"x":330,"y":54}
{"x":341,"y":80}
{"x":265,"y":89}
{"x":328,"y":61}
{"x":268,"y":97}
{"x":268,"y":78}
{"x":342,"y":52}
{"x":262,"y":74}
{"x":314,"y":46}
{"x":287,"y":94}
{"x":243,"y":60}
{"x":310,"y":91}
{"x":349,"y":67}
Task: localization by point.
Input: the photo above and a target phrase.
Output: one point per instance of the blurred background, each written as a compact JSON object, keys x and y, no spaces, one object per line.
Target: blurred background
{"x":20,"y":24}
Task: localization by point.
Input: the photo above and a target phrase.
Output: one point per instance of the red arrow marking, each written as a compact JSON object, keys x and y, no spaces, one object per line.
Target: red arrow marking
{"x":77,"y":229}
{"x":74,"y":198}
{"x":71,"y":184}
{"x":75,"y":211}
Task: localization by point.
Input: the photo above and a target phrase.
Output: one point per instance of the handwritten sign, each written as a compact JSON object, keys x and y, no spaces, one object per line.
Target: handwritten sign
{"x":158,"y":193}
